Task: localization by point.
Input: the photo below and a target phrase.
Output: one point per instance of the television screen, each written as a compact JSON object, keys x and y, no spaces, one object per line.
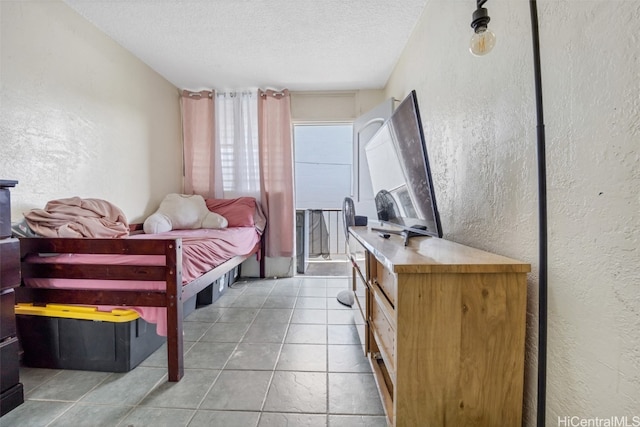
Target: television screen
{"x":400,"y":172}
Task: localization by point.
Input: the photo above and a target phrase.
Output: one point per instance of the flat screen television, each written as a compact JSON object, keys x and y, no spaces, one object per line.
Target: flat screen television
{"x":401,"y":175}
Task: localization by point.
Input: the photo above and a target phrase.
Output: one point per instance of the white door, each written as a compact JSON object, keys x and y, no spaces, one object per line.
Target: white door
{"x":364,"y":127}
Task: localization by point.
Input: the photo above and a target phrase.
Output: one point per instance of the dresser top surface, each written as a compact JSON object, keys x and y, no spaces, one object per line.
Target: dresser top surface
{"x":433,"y":255}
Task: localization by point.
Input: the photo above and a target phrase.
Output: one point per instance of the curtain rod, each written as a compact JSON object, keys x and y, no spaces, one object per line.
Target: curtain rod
{"x":234,"y":93}
{"x":272,"y":93}
{"x":197,"y":95}
{"x":209,"y":94}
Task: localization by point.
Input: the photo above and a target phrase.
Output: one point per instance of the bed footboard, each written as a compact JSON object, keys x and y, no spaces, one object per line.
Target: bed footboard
{"x":171,"y":273}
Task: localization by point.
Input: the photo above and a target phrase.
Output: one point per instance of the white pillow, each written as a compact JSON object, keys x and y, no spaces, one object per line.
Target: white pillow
{"x":182,"y":212}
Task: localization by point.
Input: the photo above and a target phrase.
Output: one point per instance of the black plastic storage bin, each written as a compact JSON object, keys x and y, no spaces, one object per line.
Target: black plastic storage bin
{"x":90,"y":345}
{"x":215,"y":290}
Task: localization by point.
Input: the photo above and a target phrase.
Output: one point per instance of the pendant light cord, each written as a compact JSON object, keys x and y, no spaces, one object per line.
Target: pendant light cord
{"x":542,"y":214}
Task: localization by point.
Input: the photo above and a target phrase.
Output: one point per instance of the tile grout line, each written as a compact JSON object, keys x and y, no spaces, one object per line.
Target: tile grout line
{"x":204,"y":396}
{"x":226,"y":362}
{"x":166,"y":375}
{"x":273,"y":372}
{"x":326,"y":330}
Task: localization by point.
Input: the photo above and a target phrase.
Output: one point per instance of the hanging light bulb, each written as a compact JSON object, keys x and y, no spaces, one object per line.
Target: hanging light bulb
{"x":483,"y":39}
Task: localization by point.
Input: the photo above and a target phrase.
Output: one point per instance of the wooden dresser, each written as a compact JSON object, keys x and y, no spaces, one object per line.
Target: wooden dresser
{"x":443,"y":326}
{"x":11,"y":391}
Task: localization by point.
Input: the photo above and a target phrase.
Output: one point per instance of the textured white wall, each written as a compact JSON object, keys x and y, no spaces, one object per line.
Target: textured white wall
{"x":331,"y":106}
{"x":479,"y":120}
{"x":81,"y":116}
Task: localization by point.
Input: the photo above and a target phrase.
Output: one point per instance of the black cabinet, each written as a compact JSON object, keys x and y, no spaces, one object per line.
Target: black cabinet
{"x":11,"y":391}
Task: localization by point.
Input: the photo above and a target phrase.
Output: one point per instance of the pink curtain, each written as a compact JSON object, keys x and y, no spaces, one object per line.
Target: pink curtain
{"x":198,"y":135}
{"x":276,"y":171}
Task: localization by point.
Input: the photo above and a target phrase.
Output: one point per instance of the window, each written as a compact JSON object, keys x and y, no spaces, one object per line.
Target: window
{"x":237,"y":136}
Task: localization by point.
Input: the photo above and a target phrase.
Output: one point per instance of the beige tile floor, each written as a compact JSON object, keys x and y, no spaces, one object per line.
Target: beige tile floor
{"x":277,"y":352}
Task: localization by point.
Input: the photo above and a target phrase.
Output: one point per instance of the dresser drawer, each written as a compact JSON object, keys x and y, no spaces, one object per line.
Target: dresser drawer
{"x":10,"y":373}
{"x":9,"y":263}
{"x":357,"y":255}
{"x":5,"y":213}
{"x":7,"y":317}
{"x":361,"y":293}
{"x":387,"y":281}
{"x":384,"y":333}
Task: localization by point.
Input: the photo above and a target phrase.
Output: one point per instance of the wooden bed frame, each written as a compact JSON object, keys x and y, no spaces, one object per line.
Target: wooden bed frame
{"x":171,"y":297}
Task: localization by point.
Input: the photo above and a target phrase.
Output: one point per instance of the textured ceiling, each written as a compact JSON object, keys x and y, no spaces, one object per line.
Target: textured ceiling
{"x":233,"y":44}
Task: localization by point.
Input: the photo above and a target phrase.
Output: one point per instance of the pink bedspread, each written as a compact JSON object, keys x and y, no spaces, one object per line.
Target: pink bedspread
{"x":202,"y":250}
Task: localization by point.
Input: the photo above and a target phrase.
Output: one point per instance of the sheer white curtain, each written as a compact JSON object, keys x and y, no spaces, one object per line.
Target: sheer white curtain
{"x":237,"y":166}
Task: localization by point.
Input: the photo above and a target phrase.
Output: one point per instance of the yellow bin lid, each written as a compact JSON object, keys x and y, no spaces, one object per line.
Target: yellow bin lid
{"x":77,"y":312}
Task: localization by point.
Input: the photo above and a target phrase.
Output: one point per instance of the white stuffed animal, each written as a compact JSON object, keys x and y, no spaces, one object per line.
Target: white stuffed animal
{"x":182,"y":212}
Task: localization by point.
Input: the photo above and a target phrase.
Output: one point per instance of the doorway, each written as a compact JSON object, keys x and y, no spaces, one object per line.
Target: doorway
{"x":323,"y":178}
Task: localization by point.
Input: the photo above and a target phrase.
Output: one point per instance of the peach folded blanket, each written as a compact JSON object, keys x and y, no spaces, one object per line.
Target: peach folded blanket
{"x":77,"y":217}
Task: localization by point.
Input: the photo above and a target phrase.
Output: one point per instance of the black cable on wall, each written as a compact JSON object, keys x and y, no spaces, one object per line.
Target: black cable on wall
{"x":542,"y":214}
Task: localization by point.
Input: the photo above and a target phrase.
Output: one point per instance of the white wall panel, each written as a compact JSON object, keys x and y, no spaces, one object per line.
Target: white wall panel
{"x":81,"y":116}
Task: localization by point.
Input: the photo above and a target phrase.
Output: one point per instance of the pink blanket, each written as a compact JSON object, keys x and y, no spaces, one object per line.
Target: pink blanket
{"x":76,"y":217}
{"x":202,"y":250}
